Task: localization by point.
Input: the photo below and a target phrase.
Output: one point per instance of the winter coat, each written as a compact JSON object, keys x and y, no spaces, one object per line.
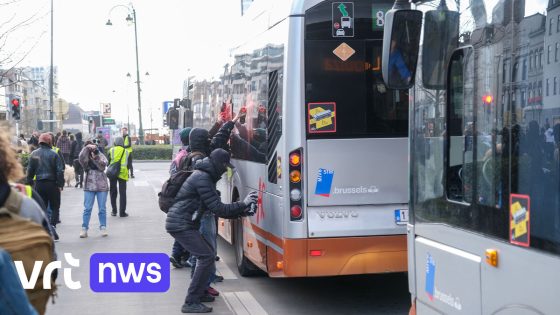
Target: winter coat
{"x":64,"y":144}
{"x":47,"y":165}
{"x":95,"y":178}
{"x":77,"y":147}
{"x":198,"y":195}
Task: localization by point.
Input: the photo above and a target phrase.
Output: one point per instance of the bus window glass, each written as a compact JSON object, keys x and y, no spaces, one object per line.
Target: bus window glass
{"x":345,"y":73}
{"x":460,"y":128}
{"x":503,"y":133}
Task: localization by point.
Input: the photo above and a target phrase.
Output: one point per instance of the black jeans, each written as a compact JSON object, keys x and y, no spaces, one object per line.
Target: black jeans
{"x":193,"y":241}
{"x":122,"y":193}
{"x":50,"y":193}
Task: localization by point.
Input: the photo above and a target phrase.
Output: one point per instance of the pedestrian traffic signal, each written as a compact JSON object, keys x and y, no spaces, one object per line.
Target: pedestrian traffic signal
{"x":15,"y":108}
{"x":173,"y":120}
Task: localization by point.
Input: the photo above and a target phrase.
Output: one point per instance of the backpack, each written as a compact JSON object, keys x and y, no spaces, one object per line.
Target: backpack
{"x":28,"y":242}
{"x":171,"y":187}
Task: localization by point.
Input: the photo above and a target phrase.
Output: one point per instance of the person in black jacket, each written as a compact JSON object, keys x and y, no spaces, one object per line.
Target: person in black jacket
{"x":77,"y":147}
{"x":48,"y":168}
{"x":197,"y":196}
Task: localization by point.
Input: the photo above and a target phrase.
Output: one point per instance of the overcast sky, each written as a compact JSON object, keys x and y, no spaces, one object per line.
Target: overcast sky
{"x":93,"y":59}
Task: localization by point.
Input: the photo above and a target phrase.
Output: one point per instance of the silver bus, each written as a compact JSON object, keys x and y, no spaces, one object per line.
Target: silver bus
{"x":324,"y":141}
{"x":484,"y":236}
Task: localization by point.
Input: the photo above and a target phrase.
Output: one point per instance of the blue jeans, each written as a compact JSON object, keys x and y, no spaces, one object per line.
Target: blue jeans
{"x":13,"y":299}
{"x":89,"y":198}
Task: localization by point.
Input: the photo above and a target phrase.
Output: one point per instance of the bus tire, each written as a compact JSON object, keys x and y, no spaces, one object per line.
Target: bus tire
{"x":245,"y":267}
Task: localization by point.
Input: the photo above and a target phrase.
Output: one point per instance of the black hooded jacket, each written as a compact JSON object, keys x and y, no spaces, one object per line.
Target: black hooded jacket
{"x":197,"y":195}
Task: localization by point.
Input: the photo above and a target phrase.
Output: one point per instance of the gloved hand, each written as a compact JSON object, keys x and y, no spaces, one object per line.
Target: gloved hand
{"x":252,"y":197}
{"x":250,"y":210}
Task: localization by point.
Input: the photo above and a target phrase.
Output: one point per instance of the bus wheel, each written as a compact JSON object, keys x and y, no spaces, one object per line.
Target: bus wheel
{"x":245,"y":267}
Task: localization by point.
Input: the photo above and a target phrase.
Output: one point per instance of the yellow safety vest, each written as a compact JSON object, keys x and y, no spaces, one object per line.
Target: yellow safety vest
{"x":127,"y":143}
{"x":116,"y":154}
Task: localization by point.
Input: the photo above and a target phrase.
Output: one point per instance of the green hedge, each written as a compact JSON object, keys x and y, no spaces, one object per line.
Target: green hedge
{"x":152,"y":152}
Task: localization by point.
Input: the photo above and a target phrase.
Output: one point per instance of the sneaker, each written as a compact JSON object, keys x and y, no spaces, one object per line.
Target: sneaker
{"x":186,"y":263}
{"x":195,"y":308}
{"x":175,"y":262}
{"x":103,"y":230}
{"x":211,"y":291}
{"x":83,"y":233}
{"x":123,"y":215}
{"x":207,"y":298}
{"x":114,"y":213}
{"x":218,"y":279}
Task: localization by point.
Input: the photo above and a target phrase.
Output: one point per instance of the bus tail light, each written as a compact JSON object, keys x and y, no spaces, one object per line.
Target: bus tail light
{"x":295,"y":159}
{"x":295,"y":211}
{"x":296,"y":179}
{"x":295,"y":176}
{"x":295,"y":194}
{"x":315,"y":252}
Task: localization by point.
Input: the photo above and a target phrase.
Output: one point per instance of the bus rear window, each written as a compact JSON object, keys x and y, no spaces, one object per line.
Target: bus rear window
{"x":344,"y":90}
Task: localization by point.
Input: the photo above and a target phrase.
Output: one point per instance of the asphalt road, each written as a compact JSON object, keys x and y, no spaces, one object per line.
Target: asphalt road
{"x":144,"y":232}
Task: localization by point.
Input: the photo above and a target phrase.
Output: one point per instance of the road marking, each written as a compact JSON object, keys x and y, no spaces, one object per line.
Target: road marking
{"x":141,"y":183}
{"x":224,"y":271}
{"x":243,"y":303}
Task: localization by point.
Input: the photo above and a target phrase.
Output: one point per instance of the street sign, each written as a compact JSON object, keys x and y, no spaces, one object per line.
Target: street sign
{"x":343,"y":19}
{"x":108,"y":121}
{"x":166,"y":106}
{"x":106,"y":109}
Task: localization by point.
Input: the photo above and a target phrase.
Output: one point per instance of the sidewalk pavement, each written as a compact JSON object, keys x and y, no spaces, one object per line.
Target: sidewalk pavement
{"x":142,"y":232}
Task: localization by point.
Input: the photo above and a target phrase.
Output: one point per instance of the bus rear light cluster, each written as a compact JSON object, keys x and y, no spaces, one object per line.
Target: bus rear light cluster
{"x":296,"y":200}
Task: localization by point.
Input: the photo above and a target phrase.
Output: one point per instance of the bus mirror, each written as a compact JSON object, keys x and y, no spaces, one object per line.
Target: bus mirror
{"x":401,"y":41}
{"x":441,"y":38}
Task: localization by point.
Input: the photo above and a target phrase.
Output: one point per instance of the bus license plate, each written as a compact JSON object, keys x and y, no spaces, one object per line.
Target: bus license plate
{"x":401,"y":216}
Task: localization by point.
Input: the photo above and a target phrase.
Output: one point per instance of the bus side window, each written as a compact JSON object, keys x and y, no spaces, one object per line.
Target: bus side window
{"x":461,"y":127}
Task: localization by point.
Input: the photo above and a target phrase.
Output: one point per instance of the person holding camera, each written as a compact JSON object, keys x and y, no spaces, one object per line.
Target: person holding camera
{"x":94,"y":163}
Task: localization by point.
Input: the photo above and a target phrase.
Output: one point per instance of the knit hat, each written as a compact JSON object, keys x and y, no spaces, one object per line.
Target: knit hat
{"x":184,"y":134}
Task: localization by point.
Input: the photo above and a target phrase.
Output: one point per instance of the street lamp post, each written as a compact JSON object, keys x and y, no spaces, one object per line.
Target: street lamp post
{"x":134,"y":20}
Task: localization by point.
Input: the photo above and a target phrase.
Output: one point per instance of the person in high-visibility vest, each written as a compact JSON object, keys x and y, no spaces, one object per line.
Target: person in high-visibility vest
{"x":118,"y":154}
{"x":128,"y":147}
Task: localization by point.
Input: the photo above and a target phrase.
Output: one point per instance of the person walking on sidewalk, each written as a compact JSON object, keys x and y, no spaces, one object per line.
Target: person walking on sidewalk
{"x":65,"y":146}
{"x":47,"y":168}
{"x":96,"y":186}
{"x":77,"y":147}
{"x":118,"y":154}
{"x":128,"y":147}
{"x":197,"y":196}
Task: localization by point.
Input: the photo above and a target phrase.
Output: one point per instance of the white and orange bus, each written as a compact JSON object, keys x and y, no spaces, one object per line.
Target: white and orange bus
{"x":324,"y":142}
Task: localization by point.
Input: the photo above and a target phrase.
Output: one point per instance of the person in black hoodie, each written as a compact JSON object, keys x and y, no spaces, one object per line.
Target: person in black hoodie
{"x":197,"y":196}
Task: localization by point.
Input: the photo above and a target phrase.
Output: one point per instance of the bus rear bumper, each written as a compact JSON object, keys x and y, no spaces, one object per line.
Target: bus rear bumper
{"x":342,"y":256}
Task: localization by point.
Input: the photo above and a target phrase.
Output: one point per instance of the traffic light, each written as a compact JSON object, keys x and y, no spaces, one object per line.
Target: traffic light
{"x":15,"y":108}
{"x":173,"y":118}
